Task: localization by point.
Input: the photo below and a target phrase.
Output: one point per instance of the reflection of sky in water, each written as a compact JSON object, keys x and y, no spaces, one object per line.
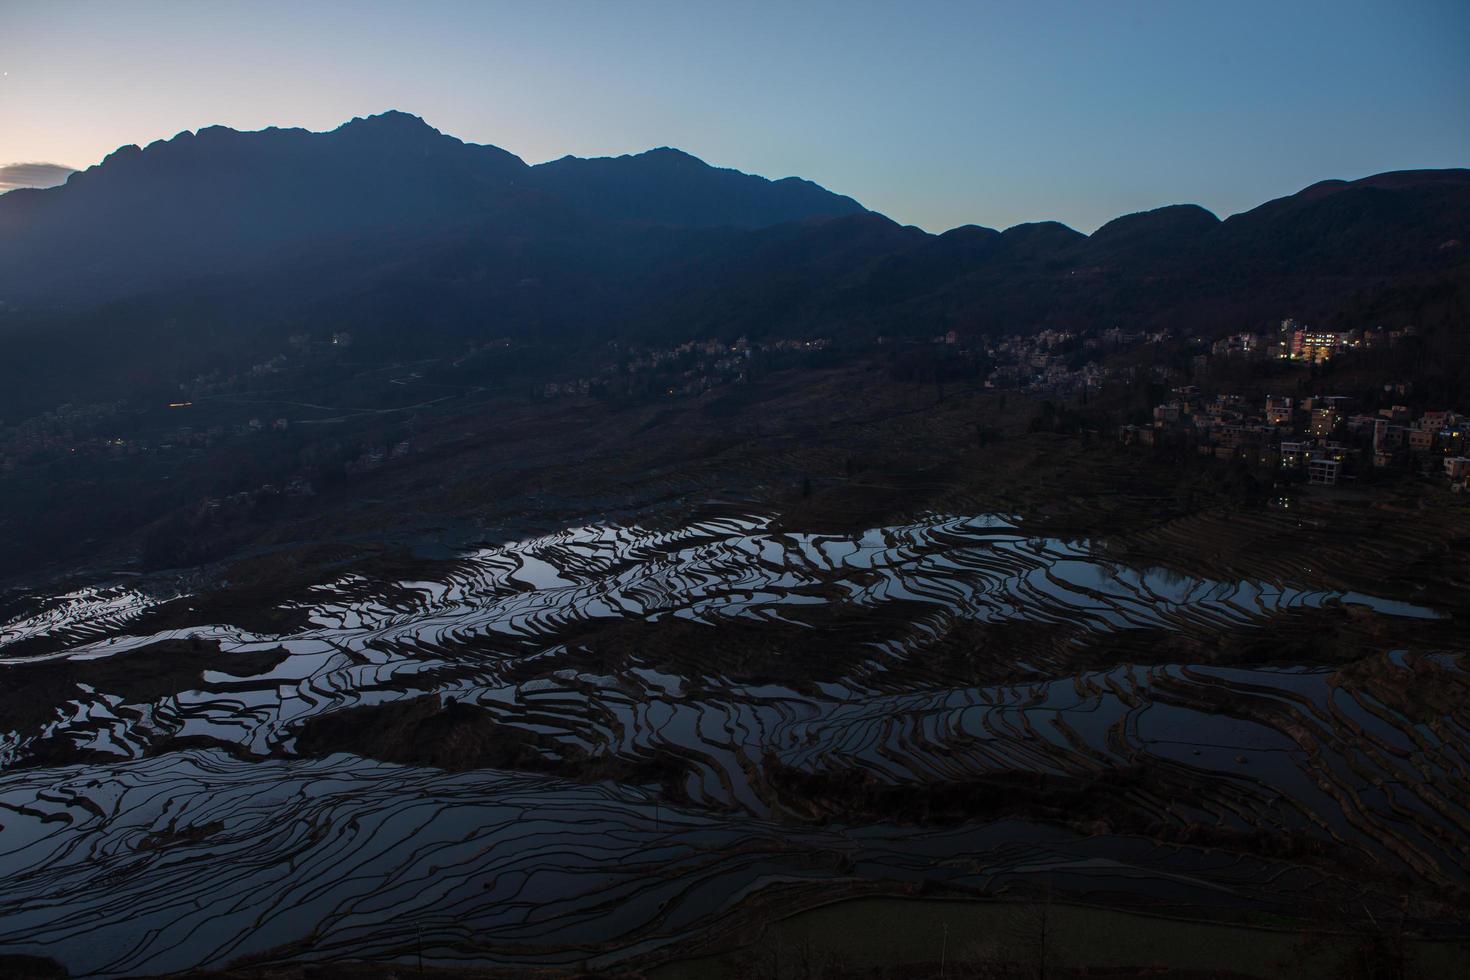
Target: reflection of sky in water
{"x":371,"y":642}
{"x":974,"y":567}
{"x":392,"y":840}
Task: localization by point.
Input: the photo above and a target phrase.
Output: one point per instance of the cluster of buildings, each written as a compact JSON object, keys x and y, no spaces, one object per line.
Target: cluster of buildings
{"x":1301,"y":344}
{"x":93,"y":431}
{"x":689,"y":368}
{"x":1398,"y":436}
{"x":1052,"y":362}
{"x":304,"y":349}
{"x":68,"y":429}
{"x":1309,"y":345}
{"x":375,"y":457}
{"x":1319,"y":438}
{"x":1059,"y":362}
{"x":239,"y":505}
{"x":217,"y":382}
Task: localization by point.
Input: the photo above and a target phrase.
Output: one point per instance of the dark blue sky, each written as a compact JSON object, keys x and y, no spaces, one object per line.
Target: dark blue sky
{"x":937,"y":114}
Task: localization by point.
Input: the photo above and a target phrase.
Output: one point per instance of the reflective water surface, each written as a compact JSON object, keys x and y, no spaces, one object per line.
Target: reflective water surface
{"x":196,"y":832}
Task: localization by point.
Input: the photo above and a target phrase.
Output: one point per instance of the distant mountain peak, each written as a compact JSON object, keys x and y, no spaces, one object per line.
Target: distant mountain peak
{"x":669,"y":186}
{"x":216,"y":201}
{"x":390,"y":128}
{"x":1032,"y":231}
{"x":672,"y":154}
{"x":665,"y":155}
{"x":394,"y":133}
{"x":1170,"y":221}
{"x":392,"y":119}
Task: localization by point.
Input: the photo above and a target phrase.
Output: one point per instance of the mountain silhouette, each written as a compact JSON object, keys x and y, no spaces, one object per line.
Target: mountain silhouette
{"x":668,"y":186}
{"x":219,"y":243}
{"x":221,"y":201}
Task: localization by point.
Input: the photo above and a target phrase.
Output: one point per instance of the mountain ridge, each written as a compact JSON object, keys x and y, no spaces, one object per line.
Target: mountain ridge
{"x":415,"y":240}
{"x":217,"y":199}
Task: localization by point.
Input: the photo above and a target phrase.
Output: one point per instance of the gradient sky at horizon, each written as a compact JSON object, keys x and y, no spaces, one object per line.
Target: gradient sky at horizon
{"x":937,"y":114}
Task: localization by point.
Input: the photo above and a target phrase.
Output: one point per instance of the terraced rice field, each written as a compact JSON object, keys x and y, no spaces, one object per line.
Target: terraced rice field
{"x":602,"y":743}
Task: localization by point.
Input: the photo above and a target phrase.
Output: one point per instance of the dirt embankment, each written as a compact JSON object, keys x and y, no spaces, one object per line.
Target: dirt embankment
{"x":426,"y":731}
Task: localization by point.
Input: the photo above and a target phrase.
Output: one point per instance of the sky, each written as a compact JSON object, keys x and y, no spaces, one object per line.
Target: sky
{"x":934,"y":113}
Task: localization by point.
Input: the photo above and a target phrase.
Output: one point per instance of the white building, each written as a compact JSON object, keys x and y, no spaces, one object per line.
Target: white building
{"x":1323,"y":472}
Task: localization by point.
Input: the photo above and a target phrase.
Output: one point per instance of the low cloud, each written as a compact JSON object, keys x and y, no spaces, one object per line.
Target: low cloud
{"x":13,"y":175}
